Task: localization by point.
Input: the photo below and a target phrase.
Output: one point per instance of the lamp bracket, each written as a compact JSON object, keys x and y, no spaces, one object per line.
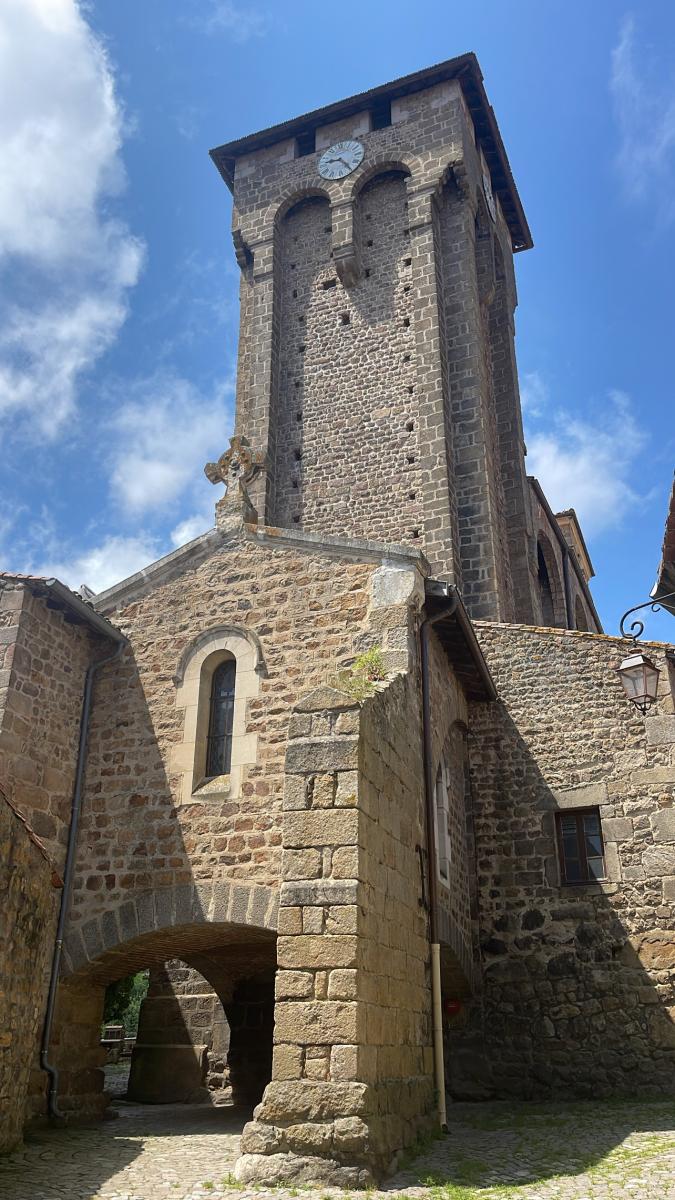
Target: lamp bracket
{"x":637,"y":627}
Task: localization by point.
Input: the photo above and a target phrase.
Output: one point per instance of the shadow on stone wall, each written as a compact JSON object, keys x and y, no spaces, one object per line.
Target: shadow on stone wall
{"x":145,"y":893}
{"x":578,"y":984}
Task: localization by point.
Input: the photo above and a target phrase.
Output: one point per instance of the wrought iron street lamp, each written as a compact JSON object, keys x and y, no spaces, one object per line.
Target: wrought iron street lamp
{"x":640,"y":679}
{"x":639,"y":675}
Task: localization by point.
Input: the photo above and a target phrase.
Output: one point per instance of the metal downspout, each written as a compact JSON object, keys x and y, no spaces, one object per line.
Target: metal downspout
{"x":439,"y":1063}
{"x":53,"y":1110}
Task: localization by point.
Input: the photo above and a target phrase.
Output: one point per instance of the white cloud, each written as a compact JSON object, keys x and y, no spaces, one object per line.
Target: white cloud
{"x":66,"y":263}
{"x":587,"y":464}
{"x":191,"y":527}
{"x":101,"y":566}
{"x":239,"y":21}
{"x":163,"y":436}
{"x":533,"y":393}
{"x":645,"y":114}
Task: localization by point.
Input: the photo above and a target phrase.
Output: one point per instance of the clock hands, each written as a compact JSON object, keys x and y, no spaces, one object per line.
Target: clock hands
{"x":339,"y":160}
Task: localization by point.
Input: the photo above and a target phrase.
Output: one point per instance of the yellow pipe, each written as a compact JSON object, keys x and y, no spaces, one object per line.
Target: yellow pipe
{"x":439,"y":1061}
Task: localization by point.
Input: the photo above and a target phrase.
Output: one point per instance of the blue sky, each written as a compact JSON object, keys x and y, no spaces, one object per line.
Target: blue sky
{"x":118,"y":306}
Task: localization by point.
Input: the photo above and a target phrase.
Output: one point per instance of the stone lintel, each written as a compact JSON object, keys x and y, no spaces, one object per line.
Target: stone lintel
{"x":587,"y":795}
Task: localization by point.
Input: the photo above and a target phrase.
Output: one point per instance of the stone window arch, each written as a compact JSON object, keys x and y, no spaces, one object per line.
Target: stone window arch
{"x":551,"y":596}
{"x":580,"y":618}
{"x":203,"y":667}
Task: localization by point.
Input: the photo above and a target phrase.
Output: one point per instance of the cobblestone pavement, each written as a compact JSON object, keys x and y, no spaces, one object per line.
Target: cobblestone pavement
{"x":589,"y":1151}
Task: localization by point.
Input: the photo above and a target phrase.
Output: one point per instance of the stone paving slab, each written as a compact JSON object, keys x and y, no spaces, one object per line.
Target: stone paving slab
{"x":589,"y":1151}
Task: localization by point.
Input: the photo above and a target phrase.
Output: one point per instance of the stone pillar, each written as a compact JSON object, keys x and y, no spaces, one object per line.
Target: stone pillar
{"x":351,"y":1080}
{"x":262,"y":351}
{"x":441,"y":537}
{"x":76,"y":1049}
{"x":516,"y":488}
{"x":468,"y":282}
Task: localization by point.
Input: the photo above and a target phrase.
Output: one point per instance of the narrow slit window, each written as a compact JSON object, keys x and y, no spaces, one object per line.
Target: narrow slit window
{"x":221,"y":715}
{"x":580,"y":846}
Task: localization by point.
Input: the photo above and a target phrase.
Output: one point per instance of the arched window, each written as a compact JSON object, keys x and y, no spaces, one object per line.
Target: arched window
{"x":221,"y":715}
{"x":218,"y":674}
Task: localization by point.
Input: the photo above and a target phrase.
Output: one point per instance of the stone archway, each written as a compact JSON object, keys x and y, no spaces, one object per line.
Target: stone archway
{"x":225,"y":931}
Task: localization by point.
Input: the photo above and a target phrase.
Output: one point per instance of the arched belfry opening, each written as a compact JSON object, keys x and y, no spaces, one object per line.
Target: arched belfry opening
{"x":580,"y":618}
{"x":551,"y":597}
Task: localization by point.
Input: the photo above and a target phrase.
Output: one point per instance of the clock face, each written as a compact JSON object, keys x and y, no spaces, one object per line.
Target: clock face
{"x":340,"y":160}
{"x":489,"y":198}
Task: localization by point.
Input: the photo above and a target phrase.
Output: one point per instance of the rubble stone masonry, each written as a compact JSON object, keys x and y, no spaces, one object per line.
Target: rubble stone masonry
{"x":308,"y":611}
{"x":43,"y":663}
{"x":376,"y":368}
{"x":578,"y":991}
{"x":27,"y":923}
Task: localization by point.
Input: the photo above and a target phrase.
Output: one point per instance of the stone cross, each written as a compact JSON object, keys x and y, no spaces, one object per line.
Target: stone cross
{"x":235,"y":468}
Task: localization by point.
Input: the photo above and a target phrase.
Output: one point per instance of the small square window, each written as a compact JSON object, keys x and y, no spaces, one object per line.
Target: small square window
{"x":581,"y":848}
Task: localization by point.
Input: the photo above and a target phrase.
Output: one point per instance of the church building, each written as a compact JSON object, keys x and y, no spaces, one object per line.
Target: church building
{"x":353,"y":773}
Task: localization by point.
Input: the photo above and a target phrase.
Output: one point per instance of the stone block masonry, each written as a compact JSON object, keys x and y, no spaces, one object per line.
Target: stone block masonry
{"x":578,"y":982}
{"x":28,"y":914}
{"x":352,"y":1074}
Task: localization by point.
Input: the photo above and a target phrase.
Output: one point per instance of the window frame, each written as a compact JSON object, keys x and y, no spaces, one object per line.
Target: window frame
{"x":229,"y":663}
{"x":578,"y":814}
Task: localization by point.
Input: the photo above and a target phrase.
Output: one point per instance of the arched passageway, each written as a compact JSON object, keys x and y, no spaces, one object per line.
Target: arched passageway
{"x":237,"y":960}
{"x":196,"y":1045}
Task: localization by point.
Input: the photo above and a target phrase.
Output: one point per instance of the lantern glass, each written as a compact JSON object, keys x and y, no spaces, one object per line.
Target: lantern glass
{"x":640,"y":680}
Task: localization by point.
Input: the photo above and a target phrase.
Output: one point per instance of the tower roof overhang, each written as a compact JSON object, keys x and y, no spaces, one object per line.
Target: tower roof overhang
{"x":466,"y":70}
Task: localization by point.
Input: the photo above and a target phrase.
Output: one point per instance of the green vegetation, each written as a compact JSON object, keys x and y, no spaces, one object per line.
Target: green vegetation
{"x":123,"y":1001}
{"x":359,"y":679}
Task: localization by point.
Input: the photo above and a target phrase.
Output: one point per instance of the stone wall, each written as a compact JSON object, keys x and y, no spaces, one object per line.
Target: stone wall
{"x":206,"y":1041}
{"x":578,"y":982}
{"x":159,"y":876}
{"x":180,"y":1054}
{"x":352,"y":1074}
{"x":449,"y":716}
{"x":43,"y":663}
{"x":335,"y":345}
{"x":553,"y":612}
{"x":307,"y":610}
{"x":30,"y":892}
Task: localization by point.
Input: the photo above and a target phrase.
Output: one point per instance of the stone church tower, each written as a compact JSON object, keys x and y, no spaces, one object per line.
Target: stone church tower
{"x":376,"y":369}
{"x":352,"y":774}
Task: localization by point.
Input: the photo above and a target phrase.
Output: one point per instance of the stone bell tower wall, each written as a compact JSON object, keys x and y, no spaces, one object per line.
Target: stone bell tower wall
{"x":376,"y":363}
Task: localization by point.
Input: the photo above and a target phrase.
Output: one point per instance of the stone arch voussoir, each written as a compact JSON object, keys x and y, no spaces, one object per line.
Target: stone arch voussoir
{"x":210,"y":639}
{"x":380,"y":165}
{"x":276,"y":213}
{"x":157,"y":925}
